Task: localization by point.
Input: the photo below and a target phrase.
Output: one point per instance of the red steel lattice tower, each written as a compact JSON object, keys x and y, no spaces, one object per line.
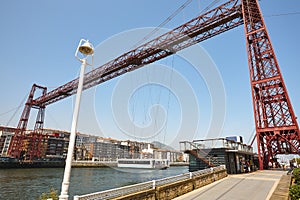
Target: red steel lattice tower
{"x":277,"y":131}
{"x":28,"y":146}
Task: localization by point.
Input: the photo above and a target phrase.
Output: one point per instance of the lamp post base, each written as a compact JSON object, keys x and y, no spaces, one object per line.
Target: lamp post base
{"x":63,"y":197}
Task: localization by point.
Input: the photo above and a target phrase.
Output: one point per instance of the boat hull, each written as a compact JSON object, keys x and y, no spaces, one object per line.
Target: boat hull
{"x":143,"y":163}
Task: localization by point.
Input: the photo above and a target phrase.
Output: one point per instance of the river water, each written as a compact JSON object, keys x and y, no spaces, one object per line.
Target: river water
{"x":31,"y":183}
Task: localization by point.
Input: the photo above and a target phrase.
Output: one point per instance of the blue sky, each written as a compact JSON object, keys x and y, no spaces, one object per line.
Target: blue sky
{"x":39,"y":39}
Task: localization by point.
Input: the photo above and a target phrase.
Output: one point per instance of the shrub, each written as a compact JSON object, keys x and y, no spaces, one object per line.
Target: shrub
{"x":295,"y":192}
{"x":52,"y":194}
{"x":296,"y":173}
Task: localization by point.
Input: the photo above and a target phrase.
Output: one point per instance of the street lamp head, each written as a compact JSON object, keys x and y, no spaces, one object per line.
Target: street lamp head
{"x":84,"y":51}
{"x":86,"y":48}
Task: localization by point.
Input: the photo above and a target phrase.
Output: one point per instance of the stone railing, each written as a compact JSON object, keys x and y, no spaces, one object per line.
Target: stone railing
{"x":166,"y":188}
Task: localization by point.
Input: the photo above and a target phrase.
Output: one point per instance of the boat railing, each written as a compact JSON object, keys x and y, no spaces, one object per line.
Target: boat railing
{"x":122,"y":191}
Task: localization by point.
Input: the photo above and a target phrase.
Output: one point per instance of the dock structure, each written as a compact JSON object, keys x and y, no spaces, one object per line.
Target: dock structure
{"x":236,"y":156}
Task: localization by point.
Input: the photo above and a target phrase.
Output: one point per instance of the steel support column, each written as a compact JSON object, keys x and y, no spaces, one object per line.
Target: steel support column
{"x":277,"y":130}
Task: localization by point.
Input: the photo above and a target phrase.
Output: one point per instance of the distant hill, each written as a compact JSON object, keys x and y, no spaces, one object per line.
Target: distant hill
{"x":160,"y":145}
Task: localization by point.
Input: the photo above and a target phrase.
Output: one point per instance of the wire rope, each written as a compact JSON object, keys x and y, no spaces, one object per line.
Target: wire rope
{"x":176,"y":12}
{"x":283,"y":14}
{"x":16,"y":109}
{"x":169,"y":97}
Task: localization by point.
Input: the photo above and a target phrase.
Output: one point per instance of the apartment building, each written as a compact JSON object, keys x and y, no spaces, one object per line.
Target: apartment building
{"x":6,"y":134}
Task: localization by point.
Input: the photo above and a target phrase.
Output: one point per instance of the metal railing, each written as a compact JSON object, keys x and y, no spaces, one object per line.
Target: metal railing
{"x":172,"y":179}
{"x":108,"y":194}
{"x":215,"y":143}
{"x":122,"y":191}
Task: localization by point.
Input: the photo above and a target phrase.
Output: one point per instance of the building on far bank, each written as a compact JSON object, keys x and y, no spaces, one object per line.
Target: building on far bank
{"x":171,"y":155}
{"x":53,"y":145}
{"x":57,"y":144}
{"x":107,"y":149}
{"x":6,"y":134}
{"x":84,"y":146}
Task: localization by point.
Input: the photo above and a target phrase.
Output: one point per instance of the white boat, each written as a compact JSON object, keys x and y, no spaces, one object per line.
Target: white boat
{"x":144,"y":163}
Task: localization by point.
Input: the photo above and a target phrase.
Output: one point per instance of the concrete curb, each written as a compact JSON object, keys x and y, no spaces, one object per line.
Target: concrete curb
{"x":282,"y":190}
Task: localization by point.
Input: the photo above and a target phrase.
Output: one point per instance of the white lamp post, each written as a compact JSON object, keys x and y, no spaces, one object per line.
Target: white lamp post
{"x":86,"y":49}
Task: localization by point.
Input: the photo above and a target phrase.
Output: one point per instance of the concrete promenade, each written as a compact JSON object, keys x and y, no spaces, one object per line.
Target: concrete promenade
{"x":258,"y":185}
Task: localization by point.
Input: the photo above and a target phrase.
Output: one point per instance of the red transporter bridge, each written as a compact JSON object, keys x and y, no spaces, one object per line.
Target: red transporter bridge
{"x":277,"y":131}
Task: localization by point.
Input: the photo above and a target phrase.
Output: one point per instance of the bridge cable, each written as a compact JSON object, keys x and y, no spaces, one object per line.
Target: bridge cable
{"x":17,"y":109}
{"x":209,"y":6}
{"x":163,"y":23}
{"x":252,"y":138}
{"x":169,"y":96}
{"x":283,"y":14}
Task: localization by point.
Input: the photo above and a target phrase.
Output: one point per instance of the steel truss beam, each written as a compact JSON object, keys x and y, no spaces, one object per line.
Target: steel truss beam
{"x":214,"y":22}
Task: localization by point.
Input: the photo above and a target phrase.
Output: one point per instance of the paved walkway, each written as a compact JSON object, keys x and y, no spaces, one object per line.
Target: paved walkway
{"x":258,"y":185}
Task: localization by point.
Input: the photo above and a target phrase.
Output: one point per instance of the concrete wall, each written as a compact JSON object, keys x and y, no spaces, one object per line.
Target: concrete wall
{"x":172,"y":190}
{"x":206,"y":179}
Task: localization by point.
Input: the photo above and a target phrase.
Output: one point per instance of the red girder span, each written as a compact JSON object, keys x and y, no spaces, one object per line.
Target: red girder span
{"x":214,"y":22}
